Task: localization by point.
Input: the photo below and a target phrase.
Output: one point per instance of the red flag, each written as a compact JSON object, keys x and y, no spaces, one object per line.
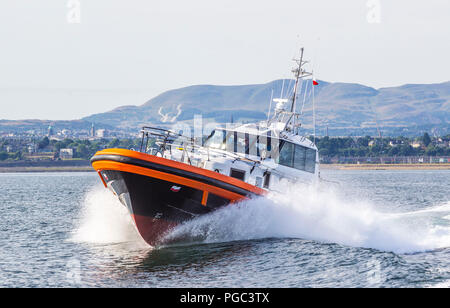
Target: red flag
{"x":315,"y":82}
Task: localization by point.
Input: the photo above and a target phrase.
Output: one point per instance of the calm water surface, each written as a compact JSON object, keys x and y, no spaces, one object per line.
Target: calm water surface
{"x":377,"y":228}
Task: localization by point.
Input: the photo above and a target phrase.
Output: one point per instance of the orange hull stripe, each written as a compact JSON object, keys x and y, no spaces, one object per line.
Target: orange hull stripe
{"x":183,"y":166}
{"x":205,"y":198}
{"x":103,"y":180}
{"x":111,"y":165}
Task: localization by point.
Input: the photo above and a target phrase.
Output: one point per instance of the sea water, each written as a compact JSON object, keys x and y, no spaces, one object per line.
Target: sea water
{"x":373,"y":229}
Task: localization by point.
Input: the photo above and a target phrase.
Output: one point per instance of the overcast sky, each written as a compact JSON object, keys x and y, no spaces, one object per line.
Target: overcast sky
{"x":126,"y":52}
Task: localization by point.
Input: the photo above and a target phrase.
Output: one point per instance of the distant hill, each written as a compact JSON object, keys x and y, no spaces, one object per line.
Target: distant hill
{"x":346,"y":108}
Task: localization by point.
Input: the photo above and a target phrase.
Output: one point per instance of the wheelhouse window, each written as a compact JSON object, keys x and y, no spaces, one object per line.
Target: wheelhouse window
{"x":237,"y":174}
{"x":261,"y":146}
{"x":253,"y":145}
{"x":216,"y":140}
{"x":241,"y":143}
{"x":286,"y":154}
{"x":231,"y":141}
{"x":310,"y":165}
{"x":297,"y":156}
{"x":267,"y":180}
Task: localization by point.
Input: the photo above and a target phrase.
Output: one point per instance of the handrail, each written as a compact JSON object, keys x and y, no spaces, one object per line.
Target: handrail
{"x":165,"y":136}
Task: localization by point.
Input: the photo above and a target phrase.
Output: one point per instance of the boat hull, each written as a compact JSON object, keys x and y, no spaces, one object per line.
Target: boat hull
{"x":160,"y":193}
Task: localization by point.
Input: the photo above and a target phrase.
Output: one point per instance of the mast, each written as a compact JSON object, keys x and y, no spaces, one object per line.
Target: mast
{"x":270,"y":107}
{"x":281,"y":111}
{"x":299,"y":73}
{"x":314,"y":111}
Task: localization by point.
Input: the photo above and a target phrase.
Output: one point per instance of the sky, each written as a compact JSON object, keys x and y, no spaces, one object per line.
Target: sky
{"x":66,"y":59}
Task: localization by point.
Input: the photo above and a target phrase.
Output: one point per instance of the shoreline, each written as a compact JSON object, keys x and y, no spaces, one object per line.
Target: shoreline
{"x":31,"y":169}
{"x":445,"y":166}
{"x":45,"y":169}
{"x":46,"y":166}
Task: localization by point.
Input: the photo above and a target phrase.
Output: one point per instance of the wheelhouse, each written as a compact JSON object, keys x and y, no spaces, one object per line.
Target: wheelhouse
{"x":283,"y":152}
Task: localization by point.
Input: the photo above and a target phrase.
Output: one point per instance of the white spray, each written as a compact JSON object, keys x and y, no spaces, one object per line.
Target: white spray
{"x":104,"y":220}
{"x":322,"y":215}
{"x":304,"y":212}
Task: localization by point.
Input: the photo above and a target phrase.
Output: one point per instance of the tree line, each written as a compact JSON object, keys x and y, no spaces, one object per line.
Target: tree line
{"x":82,"y":148}
{"x":377,"y":147}
{"x":328,"y":146}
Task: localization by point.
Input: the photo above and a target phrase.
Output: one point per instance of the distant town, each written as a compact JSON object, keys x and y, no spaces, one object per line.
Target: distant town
{"x":64,"y":144}
{"x":80,"y":145}
{"x":385,"y":150}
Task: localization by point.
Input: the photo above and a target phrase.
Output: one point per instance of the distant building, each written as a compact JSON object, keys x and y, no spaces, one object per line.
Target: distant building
{"x":394,"y":143}
{"x":32,"y":148}
{"x":66,"y":153}
{"x":442,"y":143}
{"x":65,"y":132}
{"x":101,"y":133}
{"x":416,"y":144}
{"x":50,"y":131}
{"x":93,"y":130}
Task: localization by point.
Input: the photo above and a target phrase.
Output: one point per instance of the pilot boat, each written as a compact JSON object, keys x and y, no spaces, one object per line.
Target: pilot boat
{"x":181,"y":178}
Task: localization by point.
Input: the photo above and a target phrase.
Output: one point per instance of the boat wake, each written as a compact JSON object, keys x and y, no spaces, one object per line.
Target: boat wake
{"x":319,"y":214}
{"x":304,"y":212}
{"x":104,"y":220}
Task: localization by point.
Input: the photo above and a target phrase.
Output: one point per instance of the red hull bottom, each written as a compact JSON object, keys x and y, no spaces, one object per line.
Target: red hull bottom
{"x":152,"y":230}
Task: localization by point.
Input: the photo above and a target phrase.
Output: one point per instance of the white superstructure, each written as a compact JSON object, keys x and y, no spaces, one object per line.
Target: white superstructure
{"x":262,"y":154}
